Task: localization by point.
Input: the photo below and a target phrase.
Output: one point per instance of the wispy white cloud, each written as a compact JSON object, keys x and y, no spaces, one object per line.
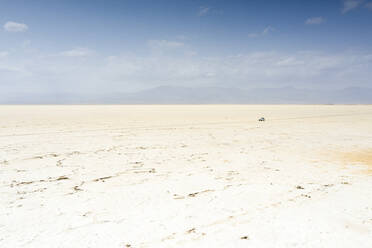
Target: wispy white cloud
{"x":3,"y":54}
{"x":26,"y":43}
{"x":315,"y":20}
{"x":369,"y":5}
{"x":10,"y":69}
{"x":267,"y":30}
{"x":182,"y":37}
{"x":77,"y":52}
{"x":165,"y":44}
{"x":170,"y":48}
{"x":349,"y":5}
{"x":203,"y":10}
{"x":253,"y":35}
{"x":15,"y":27}
{"x":264,"y":32}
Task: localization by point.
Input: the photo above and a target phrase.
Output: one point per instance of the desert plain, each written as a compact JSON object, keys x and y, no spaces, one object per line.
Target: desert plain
{"x":185,"y":176}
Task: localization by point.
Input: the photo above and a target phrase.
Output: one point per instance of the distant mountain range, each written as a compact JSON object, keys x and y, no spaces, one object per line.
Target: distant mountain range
{"x":205,"y":95}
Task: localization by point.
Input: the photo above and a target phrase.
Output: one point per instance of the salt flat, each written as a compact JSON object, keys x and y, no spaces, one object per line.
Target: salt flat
{"x":186,"y":176}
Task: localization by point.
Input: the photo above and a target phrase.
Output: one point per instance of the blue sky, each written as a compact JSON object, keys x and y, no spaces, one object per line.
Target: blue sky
{"x":120,"y":46}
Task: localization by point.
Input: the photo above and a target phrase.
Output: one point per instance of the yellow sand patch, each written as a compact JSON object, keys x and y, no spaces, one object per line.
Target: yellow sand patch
{"x":359,"y":157}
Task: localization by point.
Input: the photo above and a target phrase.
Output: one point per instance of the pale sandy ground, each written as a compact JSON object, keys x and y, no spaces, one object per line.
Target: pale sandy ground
{"x":185,"y":176}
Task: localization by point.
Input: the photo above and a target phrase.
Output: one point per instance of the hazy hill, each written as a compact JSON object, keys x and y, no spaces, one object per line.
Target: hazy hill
{"x":206,"y":95}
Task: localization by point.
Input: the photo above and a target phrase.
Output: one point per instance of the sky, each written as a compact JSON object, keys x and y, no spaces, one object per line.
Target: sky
{"x":108,"y":46}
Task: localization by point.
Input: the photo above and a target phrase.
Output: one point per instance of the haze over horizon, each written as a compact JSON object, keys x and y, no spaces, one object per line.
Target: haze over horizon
{"x":104,"y":47}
